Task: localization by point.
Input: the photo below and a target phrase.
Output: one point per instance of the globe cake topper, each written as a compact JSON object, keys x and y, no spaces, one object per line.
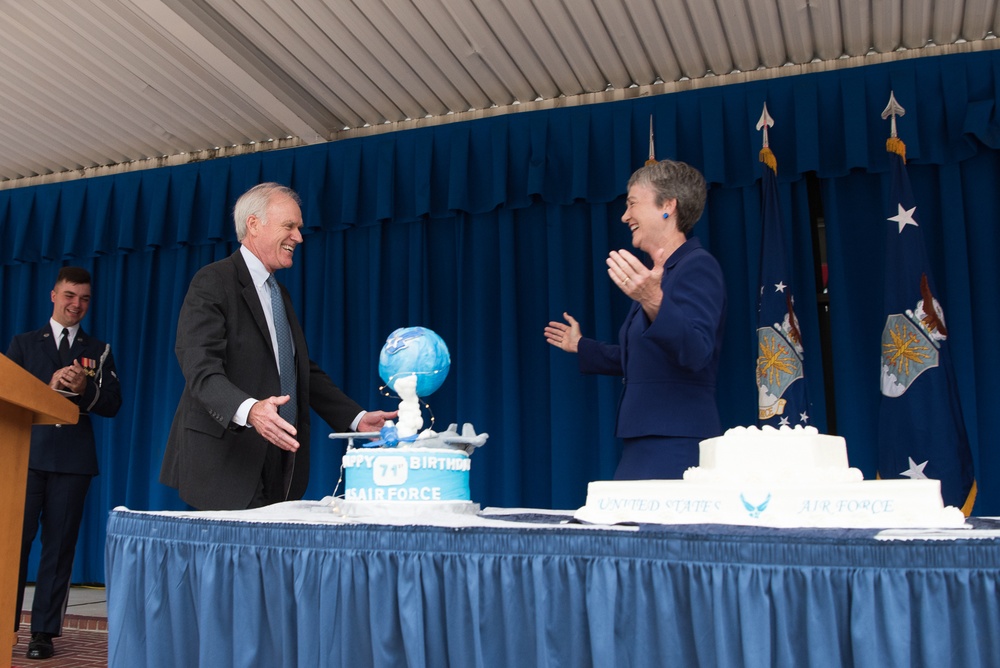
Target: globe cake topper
{"x":414,"y":362}
{"x":415,"y":351}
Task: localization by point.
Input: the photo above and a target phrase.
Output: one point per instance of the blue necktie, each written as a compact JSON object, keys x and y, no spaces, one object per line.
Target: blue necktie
{"x":286,"y":358}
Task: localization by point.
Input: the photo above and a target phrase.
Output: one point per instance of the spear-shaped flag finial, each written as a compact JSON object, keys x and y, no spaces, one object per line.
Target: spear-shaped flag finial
{"x":652,"y":152}
{"x":766,"y":156}
{"x":765,"y":122}
{"x":894,"y":143}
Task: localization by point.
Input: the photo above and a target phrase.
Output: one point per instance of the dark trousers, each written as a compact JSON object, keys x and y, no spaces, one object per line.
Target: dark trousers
{"x":657,"y":457}
{"x":275,"y":478}
{"x":54,"y":500}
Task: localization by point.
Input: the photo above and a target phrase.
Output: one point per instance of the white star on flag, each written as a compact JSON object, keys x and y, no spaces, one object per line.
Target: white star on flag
{"x":783,"y":422}
{"x":904,"y":217}
{"x":780,"y":286}
{"x":916,"y":471}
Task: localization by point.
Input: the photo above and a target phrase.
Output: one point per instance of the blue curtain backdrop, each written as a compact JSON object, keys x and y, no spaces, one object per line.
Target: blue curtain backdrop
{"x":485,"y":230}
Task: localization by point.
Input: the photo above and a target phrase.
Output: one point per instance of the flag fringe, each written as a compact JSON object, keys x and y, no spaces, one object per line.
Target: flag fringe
{"x":767,"y":157}
{"x":970,"y":501}
{"x":896,"y":145}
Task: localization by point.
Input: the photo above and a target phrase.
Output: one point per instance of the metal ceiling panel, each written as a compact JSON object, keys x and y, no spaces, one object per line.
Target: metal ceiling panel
{"x":621,"y":33}
{"x":916,"y":23}
{"x":690,"y":53}
{"x":620,"y":57}
{"x":599,"y":48}
{"x":946,"y":22}
{"x":95,"y":86}
{"x":740,"y":36}
{"x":561,"y":31}
{"x":544,"y":54}
{"x":887,"y":25}
{"x":711,"y":37}
{"x":770,"y":38}
{"x":452,"y":77}
{"x":977,"y":20}
{"x":656,"y":43}
{"x":796,"y":31}
{"x":827,"y":29}
{"x":498,"y":42}
{"x":299,"y":49}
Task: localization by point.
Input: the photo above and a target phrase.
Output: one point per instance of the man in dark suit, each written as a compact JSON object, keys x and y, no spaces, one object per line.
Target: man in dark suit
{"x":240,"y":436}
{"x":63,"y":458}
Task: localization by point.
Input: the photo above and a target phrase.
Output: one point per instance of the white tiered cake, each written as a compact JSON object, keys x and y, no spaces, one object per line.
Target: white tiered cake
{"x":772,"y":477}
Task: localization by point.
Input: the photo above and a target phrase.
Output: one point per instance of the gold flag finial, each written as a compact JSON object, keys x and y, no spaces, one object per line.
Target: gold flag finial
{"x":766,"y":155}
{"x":894,"y":144}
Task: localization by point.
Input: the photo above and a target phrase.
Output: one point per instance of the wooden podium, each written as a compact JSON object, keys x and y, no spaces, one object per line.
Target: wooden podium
{"x":24,"y":401}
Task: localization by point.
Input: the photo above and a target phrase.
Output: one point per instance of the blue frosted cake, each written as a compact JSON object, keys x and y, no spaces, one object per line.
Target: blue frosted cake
{"x":403,"y":468}
{"x":406,"y":474}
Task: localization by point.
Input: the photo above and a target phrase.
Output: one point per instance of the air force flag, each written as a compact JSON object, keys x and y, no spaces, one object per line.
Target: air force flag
{"x":782,"y":398}
{"x":921,"y":430}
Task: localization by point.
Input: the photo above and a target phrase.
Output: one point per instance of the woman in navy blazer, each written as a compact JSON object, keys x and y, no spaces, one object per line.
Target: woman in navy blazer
{"x":668,"y":347}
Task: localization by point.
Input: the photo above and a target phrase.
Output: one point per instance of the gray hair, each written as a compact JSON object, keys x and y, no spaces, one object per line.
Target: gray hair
{"x":254,"y":203}
{"x":675,"y":180}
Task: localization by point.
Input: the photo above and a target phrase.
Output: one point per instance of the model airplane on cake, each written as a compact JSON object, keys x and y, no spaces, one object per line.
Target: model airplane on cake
{"x":468,"y":441}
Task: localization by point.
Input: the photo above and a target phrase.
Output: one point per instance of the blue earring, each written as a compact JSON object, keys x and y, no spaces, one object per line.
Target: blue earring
{"x":666,"y":215}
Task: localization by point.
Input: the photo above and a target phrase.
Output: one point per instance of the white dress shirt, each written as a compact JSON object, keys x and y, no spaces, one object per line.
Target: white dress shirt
{"x":259,"y":276}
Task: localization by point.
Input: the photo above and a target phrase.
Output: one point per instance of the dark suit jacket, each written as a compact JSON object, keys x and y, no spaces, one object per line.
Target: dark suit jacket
{"x":670,"y":364}
{"x":68,"y":448}
{"x":225,"y":354}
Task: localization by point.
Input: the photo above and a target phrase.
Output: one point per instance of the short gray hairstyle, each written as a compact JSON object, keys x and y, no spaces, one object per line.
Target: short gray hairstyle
{"x":675,"y":180}
{"x":254,"y":203}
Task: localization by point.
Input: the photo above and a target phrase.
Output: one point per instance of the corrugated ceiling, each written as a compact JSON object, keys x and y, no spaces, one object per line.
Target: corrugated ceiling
{"x":93,"y":86}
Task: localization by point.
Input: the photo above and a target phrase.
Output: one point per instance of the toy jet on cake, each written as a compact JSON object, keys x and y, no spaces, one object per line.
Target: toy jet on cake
{"x":414,"y":363}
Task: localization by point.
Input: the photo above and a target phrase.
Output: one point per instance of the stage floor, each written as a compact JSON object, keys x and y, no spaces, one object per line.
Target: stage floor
{"x":84,"y":642}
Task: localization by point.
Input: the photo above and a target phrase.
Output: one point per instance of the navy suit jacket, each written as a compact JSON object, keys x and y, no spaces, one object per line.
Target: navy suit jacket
{"x":225,"y":353}
{"x":68,"y":448}
{"x":669,"y":366}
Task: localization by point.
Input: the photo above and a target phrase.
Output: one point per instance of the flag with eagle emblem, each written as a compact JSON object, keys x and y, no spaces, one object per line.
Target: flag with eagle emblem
{"x":782,"y":398}
{"x":921,"y":430}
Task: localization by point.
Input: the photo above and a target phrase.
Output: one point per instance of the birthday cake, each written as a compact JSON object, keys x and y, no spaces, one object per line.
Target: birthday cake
{"x":404,"y":470}
{"x":772,"y":477}
{"x":411,"y":476}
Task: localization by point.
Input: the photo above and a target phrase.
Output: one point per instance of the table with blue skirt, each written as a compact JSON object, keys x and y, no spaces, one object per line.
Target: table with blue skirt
{"x":299,"y":585}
